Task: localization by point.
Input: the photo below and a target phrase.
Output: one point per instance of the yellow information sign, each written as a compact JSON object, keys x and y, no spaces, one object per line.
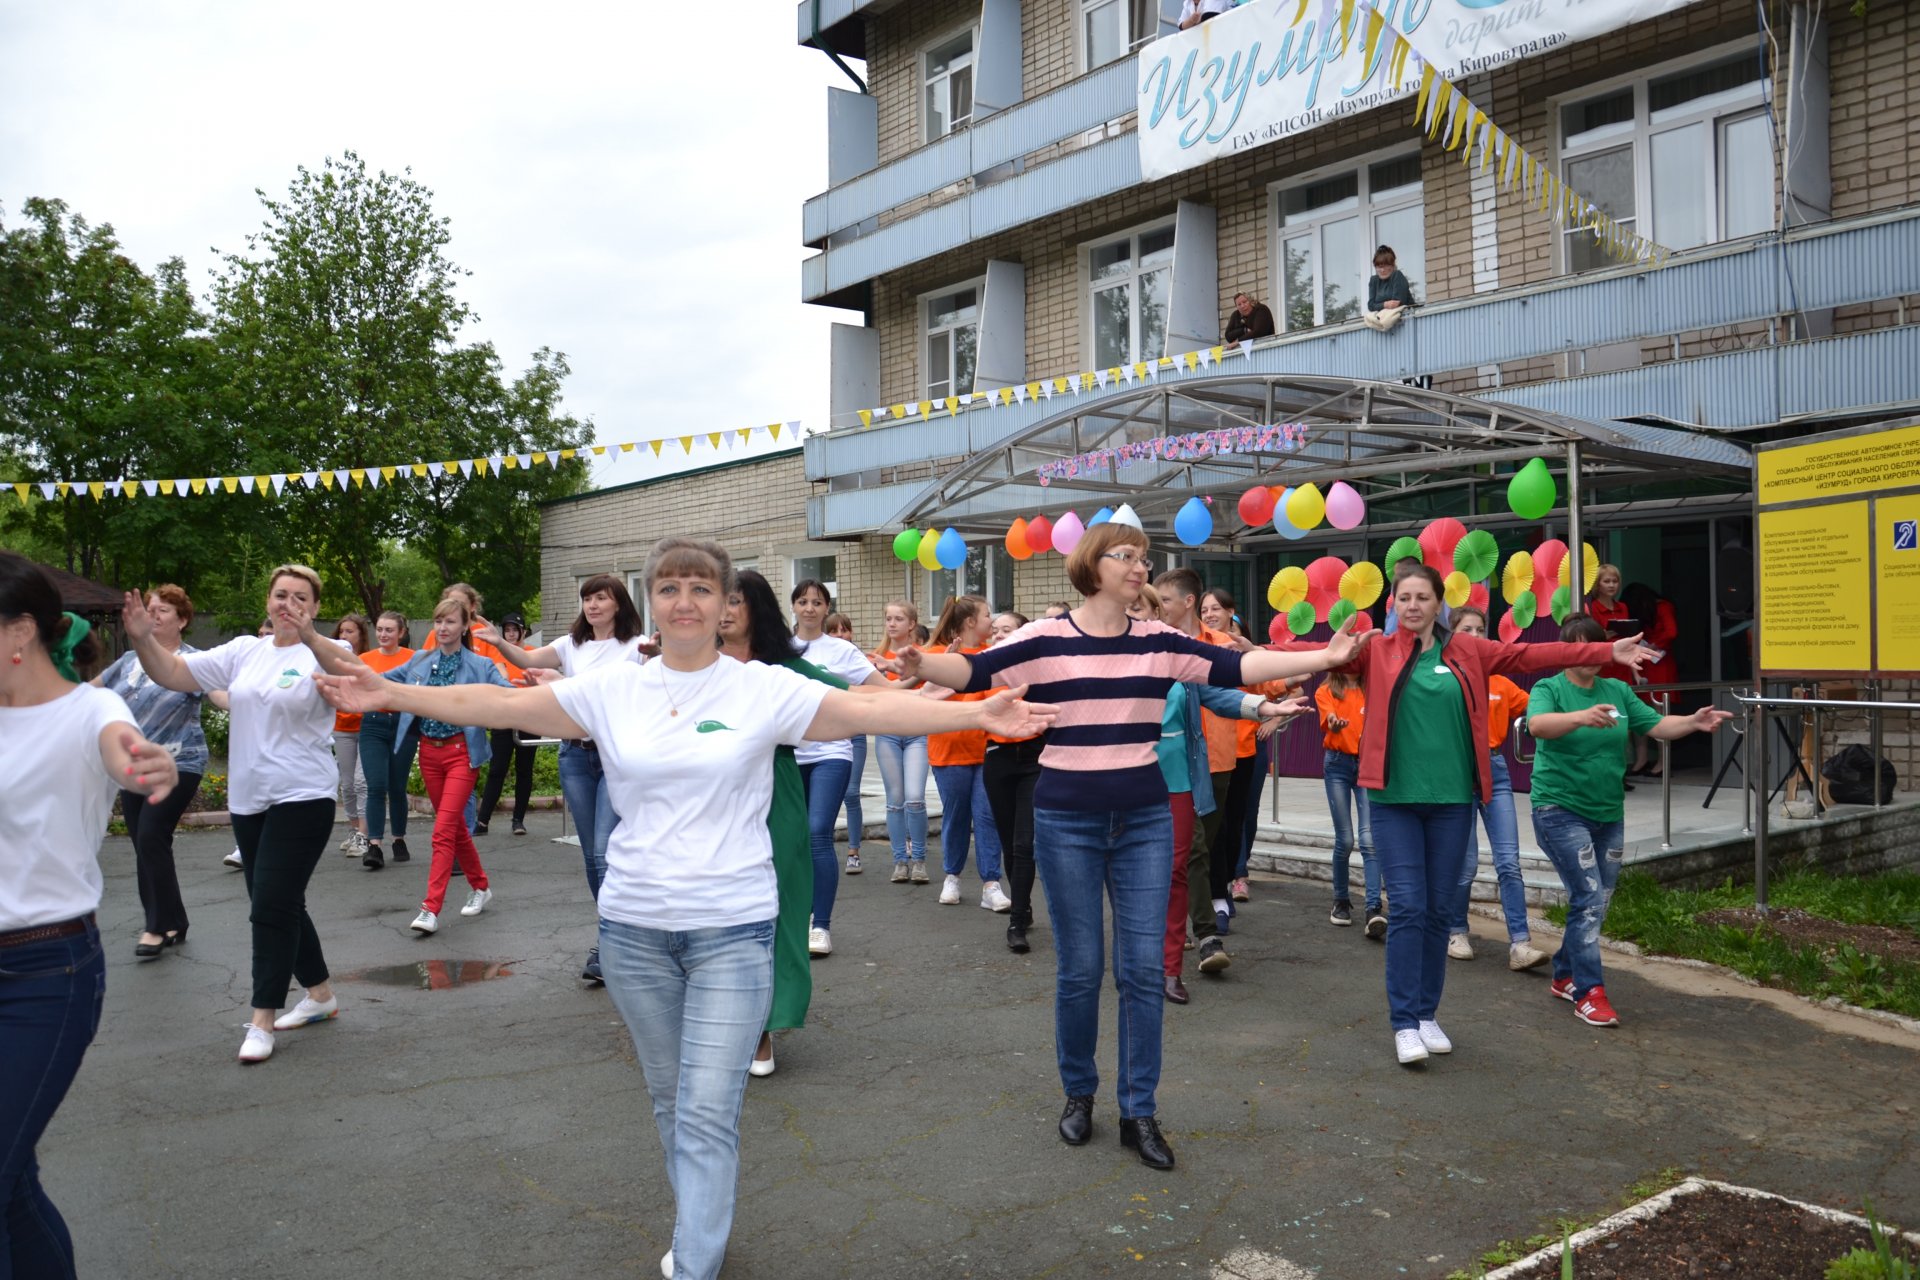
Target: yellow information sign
{"x":1897,"y":553}
{"x":1834,"y":468}
{"x":1815,"y":589}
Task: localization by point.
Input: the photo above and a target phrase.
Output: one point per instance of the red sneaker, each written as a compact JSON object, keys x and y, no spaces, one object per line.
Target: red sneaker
{"x":1595,"y":1011}
{"x":1562,"y":987}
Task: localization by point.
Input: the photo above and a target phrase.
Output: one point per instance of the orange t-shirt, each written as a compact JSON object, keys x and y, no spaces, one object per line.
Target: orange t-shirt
{"x":346,"y":723}
{"x":889,"y":655}
{"x":1506,"y":702}
{"x":1351,"y":707}
{"x":968,"y":746}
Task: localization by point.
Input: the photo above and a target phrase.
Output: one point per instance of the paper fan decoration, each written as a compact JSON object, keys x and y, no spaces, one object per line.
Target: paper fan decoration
{"x":1341,"y":611}
{"x":1479,"y":597}
{"x":1518,"y":576}
{"x":1458,"y":588}
{"x":1288,"y":588}
{"x":1477,"y":556}
{"x":1589,"y":566}
{"x":1300,"y":618}
{"x":1362,"y":584}
{"x":1402,"y":549}
{"x":1546,"y":566}
{"x":1438,"y":540}
{"x":1323,"y":583}
{"x":1508,"y":631}
{"x":1525,"y":608}
{"x":1562,"y":605}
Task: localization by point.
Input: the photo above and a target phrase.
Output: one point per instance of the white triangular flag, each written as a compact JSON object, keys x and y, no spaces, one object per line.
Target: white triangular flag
{"x":524,"y":459}
{"x":246,"y":484}
{"x":150,"y":486}
{"x":966,"y":397}
{"x":373,"y":476}
{"x":1100,"y":377}
{"x":341,"y":478}
{"x":1126,"y":374}
{"x":435,"y":469}
{"x":312,"y":479}
{"x":47,"y":490}
{"x":1206,"y":357}
{"x":180,"y":488}
{"x":1019,"y":393}
{"x":279,"y":483}
{"x":466,"y":467}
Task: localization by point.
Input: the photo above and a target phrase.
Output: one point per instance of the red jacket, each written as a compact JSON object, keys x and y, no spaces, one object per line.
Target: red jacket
{"x":1473,"y":661}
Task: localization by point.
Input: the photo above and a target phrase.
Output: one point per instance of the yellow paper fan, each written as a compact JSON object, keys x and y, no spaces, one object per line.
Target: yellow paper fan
{"x":1589,"y":566}
{"x":1459,"y":587}
{"x":1288,"y":588}
{"x":1361,"y":584}
{"x":1517,"y":580}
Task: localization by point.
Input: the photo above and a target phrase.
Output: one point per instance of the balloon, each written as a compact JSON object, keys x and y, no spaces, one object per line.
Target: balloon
{"x":1589,"y":566}
{"x":1017,"y":545}
{"x":1525,"y":608}
{"x":1532,"y":491}
{"x":1128,"y":516}
{"x":1194,"y":525}
{"x":1341,"y":611}
{"x":1438,"y":540}
{"x":1562,"y":605}
{"x":1479,"y":597}
{"x":1283,"y":526}
{"x":1305,"y":507}
{"x":1323,"y":583}
{"x":1477,"y":556}
{"x":1402,"y":549}
{"x":1101,"y":516}
{"x":1518,"y":576}
{"x":951,"y":550}
{"x":1345,"y":507}
{"x":1546,"y":565}
{"x":1040,"y":534}
{"x":1288,"y":588}
{"x":929,"y":553}
{"x":1300,"y":618}
{"x":1067,"y":532}
{"x":1508,"y":631}
{"x":1457,"y":589}
{"x":1362,"y":584}
{"x":906,"y":544}
{"x":1256,"y":506}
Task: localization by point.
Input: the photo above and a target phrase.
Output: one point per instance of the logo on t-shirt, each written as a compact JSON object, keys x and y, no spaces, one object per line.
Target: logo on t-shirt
{"x":712,"y":726}
{"x":288,"y":678}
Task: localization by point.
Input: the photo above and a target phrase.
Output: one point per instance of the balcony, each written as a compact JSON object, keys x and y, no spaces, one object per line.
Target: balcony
{"x":1758,"y":281}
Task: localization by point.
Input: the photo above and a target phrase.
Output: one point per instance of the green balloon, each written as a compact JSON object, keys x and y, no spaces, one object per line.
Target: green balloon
{"x":1532,"y":491}
{"x":1562,"y":605}
{"x":906,"y":545}
{"x":1477,"y":556}
{"x":1341,"y":611}
{"x":1526,"y":607}
{"x":1402,"y":548}
{"x":1300,"y":618}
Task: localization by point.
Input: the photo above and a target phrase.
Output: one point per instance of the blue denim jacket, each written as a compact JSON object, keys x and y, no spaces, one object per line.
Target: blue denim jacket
{"x":474,"y":669}
{"x":1229,"y":704}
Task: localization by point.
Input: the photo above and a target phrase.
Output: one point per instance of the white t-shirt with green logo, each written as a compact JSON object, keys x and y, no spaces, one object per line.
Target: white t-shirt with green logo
{"x":280,"y":734}
{"x":692,"y":789}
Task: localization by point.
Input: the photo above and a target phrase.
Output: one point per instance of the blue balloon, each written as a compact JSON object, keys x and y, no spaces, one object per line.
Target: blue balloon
{"x":951,"y":550}
{"x":1194,"y":524}
{"x":1101,"y":516}
{"x":1283,"y":526}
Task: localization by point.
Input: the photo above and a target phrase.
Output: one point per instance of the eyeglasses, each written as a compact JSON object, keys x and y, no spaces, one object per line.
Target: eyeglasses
{"x":1127,"y":558}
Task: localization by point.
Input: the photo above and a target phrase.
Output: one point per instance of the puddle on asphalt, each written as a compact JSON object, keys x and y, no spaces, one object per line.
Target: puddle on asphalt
{"x":433,"y":975}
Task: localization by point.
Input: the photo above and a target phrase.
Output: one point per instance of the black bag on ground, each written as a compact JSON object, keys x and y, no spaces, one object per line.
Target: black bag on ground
{"x":1850,"y":774}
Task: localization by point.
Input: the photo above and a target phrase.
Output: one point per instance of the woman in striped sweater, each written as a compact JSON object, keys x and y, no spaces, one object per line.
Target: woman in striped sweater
{"x":1102,"y":826}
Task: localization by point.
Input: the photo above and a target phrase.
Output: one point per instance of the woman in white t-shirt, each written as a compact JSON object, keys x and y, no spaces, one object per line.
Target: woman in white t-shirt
{"x":280,"y":789}
{"x":687,"y":908}
{"x":608,"y":630}
{"x":66,"y":749}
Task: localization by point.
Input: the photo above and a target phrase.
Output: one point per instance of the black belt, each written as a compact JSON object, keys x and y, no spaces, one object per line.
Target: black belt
{"x":584,"y":744}
{"x":46,"y":932}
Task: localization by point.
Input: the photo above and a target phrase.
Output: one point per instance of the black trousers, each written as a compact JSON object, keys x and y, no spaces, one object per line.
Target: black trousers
{"x":279,"y":850}
{"x":506,"y":747}
{"x":1010,"y":771}
{"x":151,"y":824}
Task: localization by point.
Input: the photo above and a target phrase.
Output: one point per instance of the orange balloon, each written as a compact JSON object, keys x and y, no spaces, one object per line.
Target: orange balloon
{"x":1017,"y":545}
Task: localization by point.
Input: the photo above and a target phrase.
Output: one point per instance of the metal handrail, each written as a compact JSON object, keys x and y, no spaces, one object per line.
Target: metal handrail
{"x":1876,"y":704}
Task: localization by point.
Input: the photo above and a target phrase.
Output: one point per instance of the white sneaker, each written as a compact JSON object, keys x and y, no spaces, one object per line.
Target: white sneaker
{"x":233,"y":860}
{"x":1460,"y":947}
{"x":258,"y":1046}
{"x":359,"y":842}
{"x":992,"y":899}
{"x":426,"y":922}
{"x":1434,"y":1038}
{"x":307,"y":1012}
{"x":346,"y":846}
{"x":819,"y":942}
{"x":950,"y":892}
{"x":477,"y":902}
{"x":1408,"y":1048}
{"x":853,"y":864}
{"x":1524,"y":955}
{"x":666,"y":1264}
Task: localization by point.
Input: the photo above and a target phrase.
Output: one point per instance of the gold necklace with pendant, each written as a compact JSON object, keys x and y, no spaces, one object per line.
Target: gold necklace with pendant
{"x":666,"y":687}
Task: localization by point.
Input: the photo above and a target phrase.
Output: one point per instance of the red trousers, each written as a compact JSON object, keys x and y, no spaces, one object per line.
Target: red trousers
{"x":448,"y":773}
{"x":1176,"y":943}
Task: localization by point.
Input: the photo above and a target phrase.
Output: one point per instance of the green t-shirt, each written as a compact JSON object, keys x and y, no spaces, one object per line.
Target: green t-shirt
{"x":1430,"y":756}
{"x":1586,"y":770}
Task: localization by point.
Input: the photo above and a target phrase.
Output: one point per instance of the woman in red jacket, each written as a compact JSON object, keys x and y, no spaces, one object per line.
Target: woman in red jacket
{"x":1424,"y":761}
{"x":1655,"y":613}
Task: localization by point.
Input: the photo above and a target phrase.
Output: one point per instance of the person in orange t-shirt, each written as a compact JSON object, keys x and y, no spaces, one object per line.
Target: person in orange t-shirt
{"x":1506,"y":702}
{"x":1342,"y":702}
{"x":384,"y":762}
{"x":957,"y":760}
{"x":354,"y":630}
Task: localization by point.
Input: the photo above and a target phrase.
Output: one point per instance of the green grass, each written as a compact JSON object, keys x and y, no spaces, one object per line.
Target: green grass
{"x":1662,"y":921}
{"x":1562,"y":1229}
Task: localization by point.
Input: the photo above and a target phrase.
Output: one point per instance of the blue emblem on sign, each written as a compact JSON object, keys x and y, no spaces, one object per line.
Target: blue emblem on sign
{"x":1906,"y":535}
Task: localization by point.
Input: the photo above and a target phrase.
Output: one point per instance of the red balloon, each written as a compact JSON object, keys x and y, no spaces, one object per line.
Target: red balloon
{"x":1256,"y":506}
{"x":1323,"y":584}
{"x":1508,"y":632}
{"x":1040,"y":533}
{"x":1438,"y":540}
{"x":1546,"y":569}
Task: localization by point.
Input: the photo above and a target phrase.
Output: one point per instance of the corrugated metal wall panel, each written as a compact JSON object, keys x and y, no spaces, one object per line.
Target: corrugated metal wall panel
{"x":1113,"y":165}
{"x":1086,"y":103}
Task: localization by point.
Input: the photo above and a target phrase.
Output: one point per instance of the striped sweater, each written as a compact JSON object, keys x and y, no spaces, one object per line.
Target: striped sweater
{"x":1101,"y":752}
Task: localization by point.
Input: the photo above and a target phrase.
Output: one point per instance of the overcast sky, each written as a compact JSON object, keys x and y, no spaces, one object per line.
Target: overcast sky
{"x":624,"y":187}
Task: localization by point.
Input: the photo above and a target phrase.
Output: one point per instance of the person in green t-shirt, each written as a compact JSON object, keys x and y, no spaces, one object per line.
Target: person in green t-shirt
{"x":1582,"y":719}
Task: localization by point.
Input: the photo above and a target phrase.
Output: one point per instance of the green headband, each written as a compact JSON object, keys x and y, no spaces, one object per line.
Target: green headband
{"x":78,"y":629}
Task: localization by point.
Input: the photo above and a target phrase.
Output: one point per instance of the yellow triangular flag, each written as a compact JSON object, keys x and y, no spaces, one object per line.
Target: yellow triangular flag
{"x":359,"y":475}
{"x":261,"y":484}
{"x":1370,"y":40}
{"x":1191,"y":360}
{"x":686,"y":443}
{"x":1140,"y":369}
{"x":713,"y":438}
{"x":744,"y":434}
{"x":1442,"y":107}
{"x":21,"y":491}
{"x":953,"y":405}
{"x":655,"y":446}
{"x":627,"y":447}
{"x":1059,"y":386}
{"x":386,"y":473}
{"x":199,"y":485}
{"x":539,"y":459}
{"x":1397,"y":61}
{"x":1346,"y":24}
{"x":1217,"y":353}
{"x":326,"y":479}
{"x":898,"y":411}
{"x":420,"y":469}
{"x":773,"y":429}
{"x":926,"y":407}
{"x":129,"y":489}
{"x":866,"y":417}
{"x":1033,"y":389}
{"x":229,"y":483}
{"x":510,"y":463}
{"x":567,"y":453}
{"x":599,"y":449}
{"x":63,"y":486}
{"x":97,"y":489}
{"x":480,"y":465}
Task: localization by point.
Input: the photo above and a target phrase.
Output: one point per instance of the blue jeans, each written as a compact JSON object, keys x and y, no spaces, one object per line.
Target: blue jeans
{"x":1503,"y":837}
{"x":825,"y":782}
{"x":965,"y":812}
{"x":585,"y":788}
{"x":1250,"y":827}
{"x":1587,"y":855}
{"x":1344,"y":796}
{"x":1419,"y":847}
{"x":903,"y":768}
{"x":695,"y":1003}
{"x":856,"y":820}
{"x":50,"y":998}
{"x":1086,"y":860}
{"x":386,"y":773}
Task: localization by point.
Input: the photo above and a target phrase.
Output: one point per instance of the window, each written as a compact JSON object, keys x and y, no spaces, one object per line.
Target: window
{"x":988,"y":572}
{"x":953,"y":334}
{"x":822,"y":569}
{"x":1329,"y":229}
{"x":1128,"y":280}
{"x":1112,"y":28}
{"x":948,"y":77}
{"x":1684,"y":157}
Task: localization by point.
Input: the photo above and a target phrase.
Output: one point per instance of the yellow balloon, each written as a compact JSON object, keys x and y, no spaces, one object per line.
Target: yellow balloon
{"x":1458,"y":589}
{"x":1288,"y":588}
{"x":1362,"y":583}
{"x":1305,"y":507}
{"x":1589,"y":566}
{"x":1518,"y":578}
{"x":928,"y":545}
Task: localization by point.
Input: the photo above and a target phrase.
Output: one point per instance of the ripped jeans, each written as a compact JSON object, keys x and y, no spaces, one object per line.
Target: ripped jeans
{"x":1587,"y":855}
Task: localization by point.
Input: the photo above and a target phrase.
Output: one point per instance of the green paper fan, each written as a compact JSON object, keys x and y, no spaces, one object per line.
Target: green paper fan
{"x":1300,"y":618}
{"x":1401,"y":549}
{"x":1341,"y":611}
{"x":1562,"y":605}
{"x":1526,"y":607}
{"x":1477,"y":556}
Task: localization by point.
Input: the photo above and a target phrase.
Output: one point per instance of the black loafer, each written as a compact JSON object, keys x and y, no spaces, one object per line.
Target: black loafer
{"x":479,"y":828}
{"x":374,"y":859}
{"x":1144,"y":1136}
{"x":1175,"y":990}
{"x":400,"y":853}
{"x":1076,"y":1122}
{"x":1017,"y":939}
{"x":148,"y":950}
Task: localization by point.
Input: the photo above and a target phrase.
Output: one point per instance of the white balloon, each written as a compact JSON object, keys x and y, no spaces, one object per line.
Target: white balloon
{"x":1128,"y":516}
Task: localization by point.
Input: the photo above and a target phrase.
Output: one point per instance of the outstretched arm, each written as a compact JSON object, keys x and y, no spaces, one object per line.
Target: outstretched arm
{"x":1263,"y":665}
{"x":953,"y":670}
{"x":487,"y":706}
{"x":1705,"y":720}
{"x":844,"y":715}
{"x":544,"y":656}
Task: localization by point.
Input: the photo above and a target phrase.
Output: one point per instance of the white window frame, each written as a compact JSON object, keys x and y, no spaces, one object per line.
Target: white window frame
{"x":927,"y":331}
{"x":998,"y":593}
{"x":1364,"y":207}
{"x":1088,"y":287}
{"x":972,"y":32}
{"x":637,"y":588}
{"x":1130,"y":39}
{"x":795,"y":555}
{"x":1715,"y":111}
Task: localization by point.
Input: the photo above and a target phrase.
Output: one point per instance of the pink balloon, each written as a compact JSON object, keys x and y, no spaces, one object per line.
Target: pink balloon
{"x":1323,"y":584}
{"x":1067,"y":532}
{"x":1345,"y":507}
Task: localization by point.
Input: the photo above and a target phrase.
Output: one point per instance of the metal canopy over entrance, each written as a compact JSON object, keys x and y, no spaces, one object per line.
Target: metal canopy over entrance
{"x":1388,"y":440}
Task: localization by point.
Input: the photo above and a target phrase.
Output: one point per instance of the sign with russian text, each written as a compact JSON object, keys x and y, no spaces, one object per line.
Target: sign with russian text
{"x":1271,"y":69}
